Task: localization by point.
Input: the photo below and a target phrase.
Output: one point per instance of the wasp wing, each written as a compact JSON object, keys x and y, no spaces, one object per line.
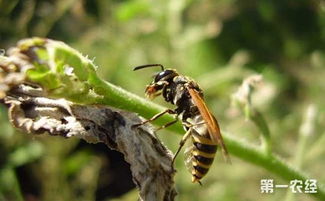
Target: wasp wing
{"x":212,"y":123}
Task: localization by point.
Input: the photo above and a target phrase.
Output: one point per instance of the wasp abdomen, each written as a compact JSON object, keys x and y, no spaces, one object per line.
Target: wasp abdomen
{"x":205,"y":147}
{"x":201,"y":156}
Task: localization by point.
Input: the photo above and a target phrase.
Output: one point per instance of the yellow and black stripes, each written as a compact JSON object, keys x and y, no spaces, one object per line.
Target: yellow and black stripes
{"x":203,"y":152}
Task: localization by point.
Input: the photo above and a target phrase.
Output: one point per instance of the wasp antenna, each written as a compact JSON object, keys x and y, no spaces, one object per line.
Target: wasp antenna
{"x":149,"y":65}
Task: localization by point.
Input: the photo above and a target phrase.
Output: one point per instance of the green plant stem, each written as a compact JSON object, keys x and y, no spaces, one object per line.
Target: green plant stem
{"x":259,"y":120}
{"x":270,"y":162}
{"x":307,"y":128}
{"x":117,"y":97}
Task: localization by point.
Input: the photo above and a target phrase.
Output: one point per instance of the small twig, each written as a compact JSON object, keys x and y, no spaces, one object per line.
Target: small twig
{"x":243,"y":98}
{"x":150,"y":161}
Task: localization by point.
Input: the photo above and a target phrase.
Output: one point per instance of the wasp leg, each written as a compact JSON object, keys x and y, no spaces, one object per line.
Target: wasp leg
{"x":168,"y":124}
{"x":155,"y":117}
{"x":181,"y":144}
{"x":185,"y":137}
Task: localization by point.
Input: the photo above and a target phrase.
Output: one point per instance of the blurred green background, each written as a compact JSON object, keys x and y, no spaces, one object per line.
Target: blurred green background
{"x":218,"y":43}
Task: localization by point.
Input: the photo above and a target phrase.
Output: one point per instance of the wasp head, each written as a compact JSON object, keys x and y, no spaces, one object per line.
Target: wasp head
{"x":160,"y":81}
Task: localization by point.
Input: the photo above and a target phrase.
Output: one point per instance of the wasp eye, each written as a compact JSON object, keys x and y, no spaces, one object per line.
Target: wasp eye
{"x":164,"y":75}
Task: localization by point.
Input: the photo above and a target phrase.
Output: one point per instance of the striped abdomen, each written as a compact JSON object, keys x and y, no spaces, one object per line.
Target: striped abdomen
{"x":200,"y":155}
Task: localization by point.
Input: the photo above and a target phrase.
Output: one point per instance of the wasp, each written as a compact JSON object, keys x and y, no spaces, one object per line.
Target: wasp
{"x":200,"y":125}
